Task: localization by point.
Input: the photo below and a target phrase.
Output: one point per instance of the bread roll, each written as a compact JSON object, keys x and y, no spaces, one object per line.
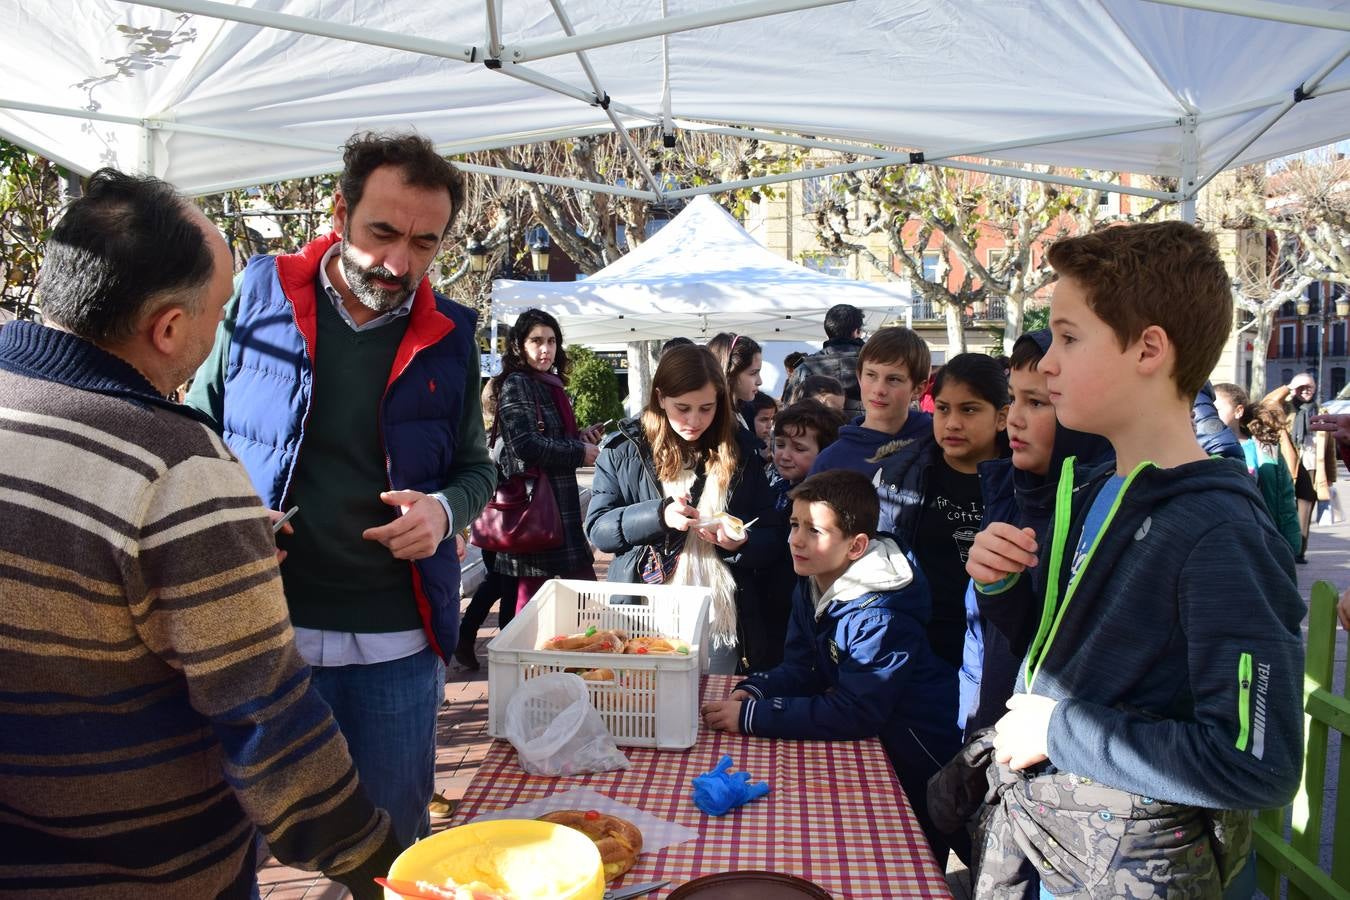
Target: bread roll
{"x":618,"y":840}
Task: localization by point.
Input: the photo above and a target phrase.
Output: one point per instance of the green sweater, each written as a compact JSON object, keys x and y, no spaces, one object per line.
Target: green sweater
{"x":335,"y":579}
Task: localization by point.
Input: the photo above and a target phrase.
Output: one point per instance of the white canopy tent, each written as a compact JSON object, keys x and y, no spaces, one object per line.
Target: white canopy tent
{"x":211,"y":95}
{"x":700,"y":274}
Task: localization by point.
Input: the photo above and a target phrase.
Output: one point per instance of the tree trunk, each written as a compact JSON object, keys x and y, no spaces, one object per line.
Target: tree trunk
{"x":1260,"y":345}
{"x":1014,"y":313}
{"x":956,"y":330}
{"x":642,"y":360}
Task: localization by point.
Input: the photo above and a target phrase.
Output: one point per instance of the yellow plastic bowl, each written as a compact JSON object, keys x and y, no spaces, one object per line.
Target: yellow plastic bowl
{"x":535,"y":860}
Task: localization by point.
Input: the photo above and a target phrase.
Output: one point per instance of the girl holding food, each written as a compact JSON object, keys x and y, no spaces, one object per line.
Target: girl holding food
{"x":675,"y":499}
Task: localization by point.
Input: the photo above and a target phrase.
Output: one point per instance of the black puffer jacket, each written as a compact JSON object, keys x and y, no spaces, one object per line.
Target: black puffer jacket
{"x":624,"y":517}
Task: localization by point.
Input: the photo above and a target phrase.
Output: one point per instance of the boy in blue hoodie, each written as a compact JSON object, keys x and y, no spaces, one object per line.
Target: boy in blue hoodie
{"x":1019,"y":489}
{"x":1160,"y":699}
{"x":857,"y":661}
{"x":892,"y":372}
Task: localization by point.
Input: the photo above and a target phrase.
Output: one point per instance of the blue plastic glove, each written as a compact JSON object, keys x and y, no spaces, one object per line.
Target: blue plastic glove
{"x":719,"y":792}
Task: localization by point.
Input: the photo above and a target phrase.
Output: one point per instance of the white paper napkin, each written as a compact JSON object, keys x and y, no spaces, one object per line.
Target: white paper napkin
{"x":657,"y":834}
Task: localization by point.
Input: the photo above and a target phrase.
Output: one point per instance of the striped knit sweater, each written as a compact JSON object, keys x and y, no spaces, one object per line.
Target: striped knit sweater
{"x":153,"y":708}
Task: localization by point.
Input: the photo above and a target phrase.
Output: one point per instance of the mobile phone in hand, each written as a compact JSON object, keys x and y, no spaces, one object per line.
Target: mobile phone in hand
{"x":290,"y":514}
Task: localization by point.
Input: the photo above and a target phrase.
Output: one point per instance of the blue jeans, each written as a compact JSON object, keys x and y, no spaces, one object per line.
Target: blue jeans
{"x":387,"y":713}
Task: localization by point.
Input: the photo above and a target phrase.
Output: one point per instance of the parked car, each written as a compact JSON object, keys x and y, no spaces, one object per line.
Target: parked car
{"x":1338,"y":405}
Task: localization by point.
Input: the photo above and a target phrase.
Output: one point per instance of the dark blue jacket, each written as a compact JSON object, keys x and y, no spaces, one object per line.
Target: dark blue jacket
{"x":1214,"y":436}
{"x":863,"y":668}
{"x":870,"y":452}
{"x":998,"y":629}
{"x":261,"y":401}
{"x":1177,"y":656}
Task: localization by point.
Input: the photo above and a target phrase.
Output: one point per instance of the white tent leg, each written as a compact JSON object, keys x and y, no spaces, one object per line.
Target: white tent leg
{"x":145,"y":163}
{"x":494,"y":358}
{"x":494,"y":30}
{"x":1190,"y":169}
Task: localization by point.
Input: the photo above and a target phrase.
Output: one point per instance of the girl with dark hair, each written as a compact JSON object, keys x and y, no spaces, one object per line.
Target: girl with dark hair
{"x":970,"y":399}
{"x":741,"y":358}
{"x":539,"y":431}
{"x":678,"y":464}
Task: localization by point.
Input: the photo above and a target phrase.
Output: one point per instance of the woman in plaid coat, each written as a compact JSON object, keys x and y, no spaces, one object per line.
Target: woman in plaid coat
{"x":538,"y":430}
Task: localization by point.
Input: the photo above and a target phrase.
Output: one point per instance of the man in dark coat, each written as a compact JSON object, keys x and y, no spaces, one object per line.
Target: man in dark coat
{"x":839,"y":359}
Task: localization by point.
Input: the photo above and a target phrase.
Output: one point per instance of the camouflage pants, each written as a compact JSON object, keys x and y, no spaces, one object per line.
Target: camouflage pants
{"x":1087,"y":840}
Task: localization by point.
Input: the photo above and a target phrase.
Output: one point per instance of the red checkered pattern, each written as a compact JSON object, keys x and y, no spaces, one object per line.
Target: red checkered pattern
{"x":836,"y":815}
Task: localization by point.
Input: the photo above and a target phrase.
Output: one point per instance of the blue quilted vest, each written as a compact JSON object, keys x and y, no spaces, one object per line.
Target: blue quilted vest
{"x":268,"y":384}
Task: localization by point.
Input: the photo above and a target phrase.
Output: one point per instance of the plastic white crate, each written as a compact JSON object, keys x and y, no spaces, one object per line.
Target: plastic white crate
{"x":654,"y":700}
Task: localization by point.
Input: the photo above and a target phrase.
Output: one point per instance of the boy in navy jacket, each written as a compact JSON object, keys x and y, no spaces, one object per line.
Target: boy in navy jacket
{"x":1160,"y":699}
{"x":857,"y":661}
{"x":892,"y":374}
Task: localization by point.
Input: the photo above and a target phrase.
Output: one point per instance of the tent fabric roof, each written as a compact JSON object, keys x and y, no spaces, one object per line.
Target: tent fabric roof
{"x":1100,"y":84}
{"x":700,"y":274}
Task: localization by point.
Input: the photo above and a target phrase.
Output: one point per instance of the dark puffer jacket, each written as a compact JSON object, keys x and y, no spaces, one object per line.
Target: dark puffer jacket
{"x":624,"y":518}
{"x":838,"y":360}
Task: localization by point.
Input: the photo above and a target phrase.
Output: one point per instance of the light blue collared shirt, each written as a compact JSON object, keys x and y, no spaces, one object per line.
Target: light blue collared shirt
{"x":319,"y":647}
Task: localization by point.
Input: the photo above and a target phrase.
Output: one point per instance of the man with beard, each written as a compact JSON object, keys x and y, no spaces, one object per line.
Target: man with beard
{"x":1316,"y":455}
{"x":349,"y":389}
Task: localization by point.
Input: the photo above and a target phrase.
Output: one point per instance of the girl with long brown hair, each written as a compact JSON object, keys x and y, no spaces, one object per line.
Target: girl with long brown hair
{"x":1269,"y":451}
{"x":680,"y":463}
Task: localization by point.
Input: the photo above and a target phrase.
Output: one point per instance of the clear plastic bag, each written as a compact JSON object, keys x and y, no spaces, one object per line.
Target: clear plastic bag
{"x":556,"y":731}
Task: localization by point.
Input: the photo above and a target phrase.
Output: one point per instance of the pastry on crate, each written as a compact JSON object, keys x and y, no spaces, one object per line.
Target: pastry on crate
{"x":592,"y":640}
{"x":618,"y":840}
{"x":656,"y":645}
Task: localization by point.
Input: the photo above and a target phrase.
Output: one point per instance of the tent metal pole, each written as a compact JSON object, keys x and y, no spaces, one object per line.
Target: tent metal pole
{"x":1151,"y":125}
{"x":666,"y":118}
{"x":567,"y":90}
{"x":777,"y":179}
{"x":1190,"y":169}
{"x":254,"y":137}
{"x":987,"y":149}
{"x":946,"y":164}
{"x":566,"y":22}
{"x":25,"y":106}
{"x":561,"y":134}
{"x":145,"y":162}
{"x":1300,"y":93}
{"x":1273,"y":12}
{"x":792,"y":139}
{"x":557,"y":182}
{"x":318,"y":27}
{"x":736,"y":12}
{"x":1333,"y":87}
{"x":494,"y":30}
{"x":1065,"y":180}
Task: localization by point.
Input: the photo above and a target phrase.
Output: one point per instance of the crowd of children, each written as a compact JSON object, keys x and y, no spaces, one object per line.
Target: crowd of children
{"x":1116,"y":603}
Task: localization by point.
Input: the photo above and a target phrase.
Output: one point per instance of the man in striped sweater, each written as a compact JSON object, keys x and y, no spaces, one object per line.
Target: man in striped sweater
{"x":153,"y":708}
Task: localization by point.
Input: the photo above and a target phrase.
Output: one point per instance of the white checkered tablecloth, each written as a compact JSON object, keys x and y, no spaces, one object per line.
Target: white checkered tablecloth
{"x":836,"y":815}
